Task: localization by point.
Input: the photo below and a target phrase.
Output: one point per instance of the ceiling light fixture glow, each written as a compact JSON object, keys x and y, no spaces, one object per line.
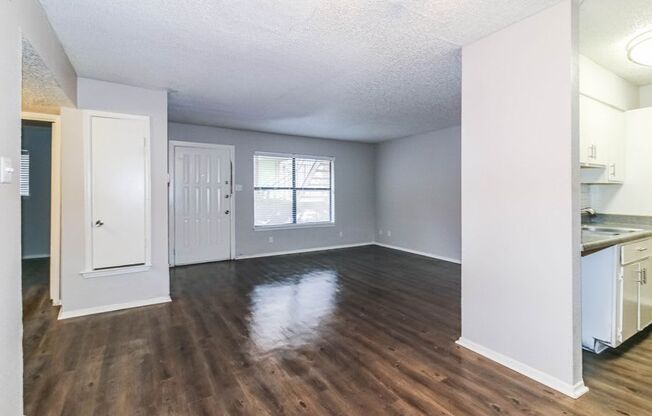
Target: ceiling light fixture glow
{"x":639,"y":49}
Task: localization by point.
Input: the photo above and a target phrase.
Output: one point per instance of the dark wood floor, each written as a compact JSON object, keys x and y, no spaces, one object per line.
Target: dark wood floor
{"x":364,"y":331}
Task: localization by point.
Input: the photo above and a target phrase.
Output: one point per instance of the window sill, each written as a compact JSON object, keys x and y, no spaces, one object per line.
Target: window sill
{"x":118,"y":270}
{"x":293,"y":226}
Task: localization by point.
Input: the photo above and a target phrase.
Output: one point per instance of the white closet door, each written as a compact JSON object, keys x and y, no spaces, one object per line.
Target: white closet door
{"x":118,"y":189}
{"x":202,"y":204}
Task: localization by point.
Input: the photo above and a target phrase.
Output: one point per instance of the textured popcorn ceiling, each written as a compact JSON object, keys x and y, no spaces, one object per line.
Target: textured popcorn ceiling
{"x":40,"y":92}
{"x":607,"y":26}
{"x":348,"y":69}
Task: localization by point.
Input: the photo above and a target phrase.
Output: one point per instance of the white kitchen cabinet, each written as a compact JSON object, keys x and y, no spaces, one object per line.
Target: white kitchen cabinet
{"x":616,"y":294}
{"x":645,"y":296}
{"x":602,"y":142}
{"x":118,"y":192}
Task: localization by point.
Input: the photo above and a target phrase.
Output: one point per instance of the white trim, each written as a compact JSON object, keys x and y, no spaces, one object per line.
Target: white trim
{"x":115,"y":307}
{"x":116,"y":270}
{"x":55,"y":201}
{"x":87,"y":116}
{"x":293,"y":155}
{"x":303,"y":250}
{"x":293,"y":226}
{"x":171,"y":149}
{"x":573,"y":391}
{"x":36,"y":256}
{"x":420,"y":253}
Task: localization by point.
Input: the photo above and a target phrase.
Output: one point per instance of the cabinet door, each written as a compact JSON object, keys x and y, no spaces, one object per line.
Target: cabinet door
{"x":645,"y":295}
{"x":587,"y":129}
{"x":119,"y":182}
{"x":629,"y":300}
{"x":602,"y":136}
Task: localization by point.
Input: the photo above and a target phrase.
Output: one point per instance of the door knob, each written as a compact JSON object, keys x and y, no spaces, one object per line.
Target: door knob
{"x":99,"y":223}
{"x":227,"y":212}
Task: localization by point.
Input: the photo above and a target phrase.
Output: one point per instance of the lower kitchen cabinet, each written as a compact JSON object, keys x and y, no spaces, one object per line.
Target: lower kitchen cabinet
{"x":616,"y":294}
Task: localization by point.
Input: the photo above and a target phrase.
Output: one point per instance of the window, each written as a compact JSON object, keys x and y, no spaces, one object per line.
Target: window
{"x":292,"y":190}
{"x":24,"y":173}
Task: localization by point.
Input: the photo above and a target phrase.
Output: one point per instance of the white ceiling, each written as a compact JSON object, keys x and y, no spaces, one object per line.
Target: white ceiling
{"x":606,"y":26}
{"x":363,"y":70}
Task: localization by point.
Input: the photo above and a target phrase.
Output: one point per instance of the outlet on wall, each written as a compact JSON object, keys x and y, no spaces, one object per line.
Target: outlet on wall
{"x":270,"y":239}
{"x":341,"y":234}
{"x":389,"y":233}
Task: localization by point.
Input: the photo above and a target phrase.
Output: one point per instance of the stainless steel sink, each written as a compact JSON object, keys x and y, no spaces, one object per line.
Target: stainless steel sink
{"x":603,"y":230}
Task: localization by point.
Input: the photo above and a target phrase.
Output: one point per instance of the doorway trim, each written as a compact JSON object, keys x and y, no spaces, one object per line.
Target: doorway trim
{"x":55,"y":201}
{"x":172,"y":145}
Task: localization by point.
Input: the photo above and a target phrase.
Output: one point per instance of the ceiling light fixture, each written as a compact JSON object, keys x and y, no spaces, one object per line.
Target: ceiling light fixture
{"x":639,"y":49}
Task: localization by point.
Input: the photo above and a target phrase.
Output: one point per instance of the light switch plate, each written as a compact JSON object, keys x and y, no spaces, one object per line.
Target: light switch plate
{"x":6,"y":170}
{"x":238,"y":187}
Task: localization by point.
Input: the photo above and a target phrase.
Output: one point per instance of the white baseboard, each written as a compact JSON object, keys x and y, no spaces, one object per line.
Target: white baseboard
{"x":115,"y":307}
{"x":574,"y":391}
{"x":420,"y":253}
{"x":35,"y":256}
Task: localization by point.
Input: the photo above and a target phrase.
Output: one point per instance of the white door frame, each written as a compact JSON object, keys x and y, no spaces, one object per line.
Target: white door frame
{"x":173,"y":144}
{"x":55,"y":202}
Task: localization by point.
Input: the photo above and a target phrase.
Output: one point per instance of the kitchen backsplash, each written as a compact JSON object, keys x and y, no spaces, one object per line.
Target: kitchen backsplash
{"x":586,"y":196}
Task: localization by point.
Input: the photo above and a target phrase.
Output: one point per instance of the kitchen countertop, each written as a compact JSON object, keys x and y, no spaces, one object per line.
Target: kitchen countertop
{"x":592,"y":242}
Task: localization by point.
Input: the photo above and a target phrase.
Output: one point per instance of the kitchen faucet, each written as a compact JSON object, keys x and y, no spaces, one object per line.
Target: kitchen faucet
{"x":589,"y":211}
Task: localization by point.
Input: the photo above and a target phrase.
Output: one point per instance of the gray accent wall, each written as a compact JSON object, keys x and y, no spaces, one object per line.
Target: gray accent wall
{"x":354,"y":188}
{"x":77,"y":292}
{"x":35,"y":208}
{"x":418,"y":193}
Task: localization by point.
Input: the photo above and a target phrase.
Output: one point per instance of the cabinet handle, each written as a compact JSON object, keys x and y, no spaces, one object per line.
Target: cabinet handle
{"x":641,"y":249}
{"x":612,"y":167}
{"x":99,"y":223}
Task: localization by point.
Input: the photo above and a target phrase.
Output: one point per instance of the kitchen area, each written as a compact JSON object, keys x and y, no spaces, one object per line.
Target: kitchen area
{"x":615,"y":117}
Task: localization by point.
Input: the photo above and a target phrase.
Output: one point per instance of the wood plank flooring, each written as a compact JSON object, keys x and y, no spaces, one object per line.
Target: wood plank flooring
{"x":361,"y":331}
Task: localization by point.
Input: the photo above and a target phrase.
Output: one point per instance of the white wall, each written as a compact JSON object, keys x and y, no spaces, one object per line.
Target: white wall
{"x":35,"y":209}
{"x":354,"y":187}
{"x":27,"y":18}
{"x":602,"y":85}
{"x":79,"y":293}
{"x":645,"y":94}
{"x":11,"y":327}
{"x":418,"y":193}
{"x":520,"y":242}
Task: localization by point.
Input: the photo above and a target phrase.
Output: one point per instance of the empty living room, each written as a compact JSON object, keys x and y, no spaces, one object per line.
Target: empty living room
{"x":345,"y":207}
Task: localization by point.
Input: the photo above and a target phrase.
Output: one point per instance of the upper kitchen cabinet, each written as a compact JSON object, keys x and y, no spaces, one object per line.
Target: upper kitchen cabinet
{"x":602,"y":142}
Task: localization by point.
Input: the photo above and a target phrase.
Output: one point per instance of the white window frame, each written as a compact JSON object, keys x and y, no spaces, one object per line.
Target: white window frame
{"x":330,"y":223}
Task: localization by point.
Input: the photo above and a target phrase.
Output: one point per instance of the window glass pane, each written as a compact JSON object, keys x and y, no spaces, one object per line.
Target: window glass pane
{"x":272,"y":207}
{"x":272,"y":172}
{"x":313,"y":206}
{"x":313,"y":173}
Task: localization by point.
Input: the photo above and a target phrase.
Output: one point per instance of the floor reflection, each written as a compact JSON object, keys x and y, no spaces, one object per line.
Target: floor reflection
{"x":291,"y":313}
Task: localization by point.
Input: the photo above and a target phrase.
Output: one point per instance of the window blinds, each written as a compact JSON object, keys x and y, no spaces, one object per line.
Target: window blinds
{"x":290,"y":189}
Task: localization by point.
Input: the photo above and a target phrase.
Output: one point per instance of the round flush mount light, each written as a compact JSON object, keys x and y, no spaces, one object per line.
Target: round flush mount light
{"x":639,"y":49}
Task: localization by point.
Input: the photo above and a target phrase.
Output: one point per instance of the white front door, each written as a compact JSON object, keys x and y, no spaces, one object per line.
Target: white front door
{"x":202,"y":204}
